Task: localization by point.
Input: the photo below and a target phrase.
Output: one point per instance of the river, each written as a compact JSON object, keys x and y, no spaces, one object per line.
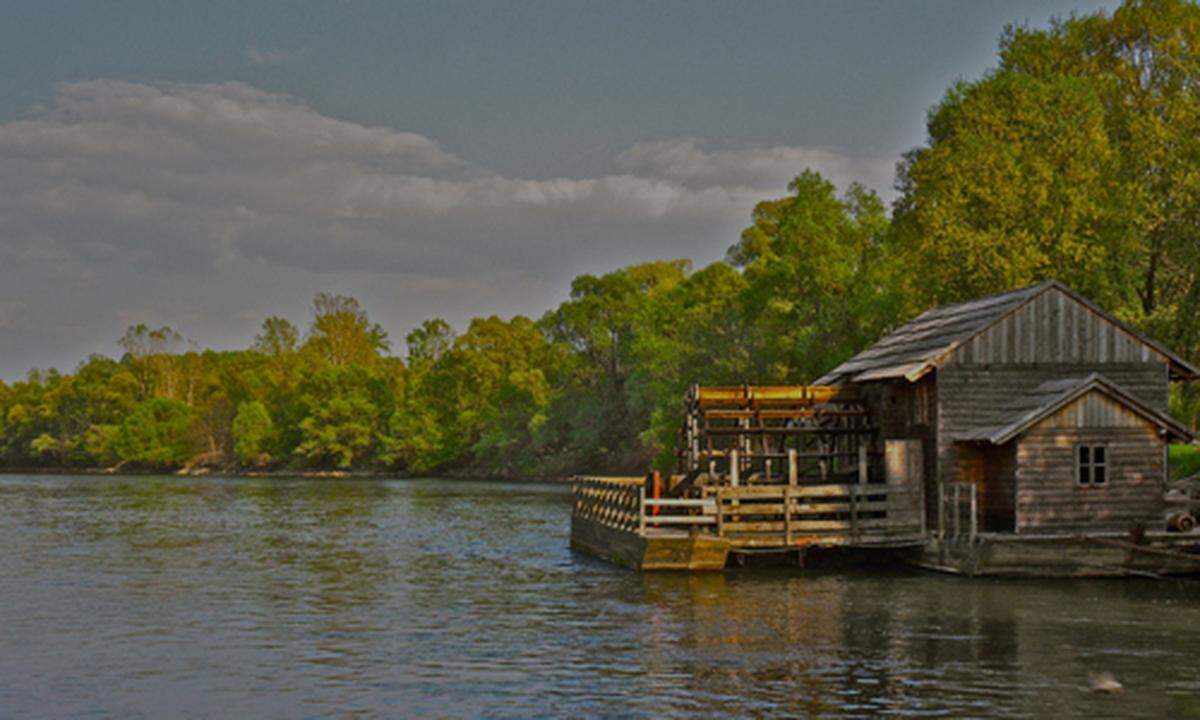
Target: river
{"x":153,"y":597}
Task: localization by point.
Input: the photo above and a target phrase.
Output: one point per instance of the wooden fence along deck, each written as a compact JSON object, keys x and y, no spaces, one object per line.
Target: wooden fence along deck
{"x":613,"y":518}
{"x":789,"y":516}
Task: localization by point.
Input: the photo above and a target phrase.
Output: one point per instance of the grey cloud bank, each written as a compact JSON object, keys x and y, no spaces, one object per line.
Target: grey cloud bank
{"x":209,"y":206}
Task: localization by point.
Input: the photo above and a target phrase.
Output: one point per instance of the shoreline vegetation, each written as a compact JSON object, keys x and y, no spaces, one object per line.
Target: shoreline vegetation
{"x":234,"y":473}
{"x":1076,"y":158}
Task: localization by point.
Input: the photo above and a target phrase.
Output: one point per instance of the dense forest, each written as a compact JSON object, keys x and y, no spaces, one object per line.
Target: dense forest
{"x":1077,"y":157}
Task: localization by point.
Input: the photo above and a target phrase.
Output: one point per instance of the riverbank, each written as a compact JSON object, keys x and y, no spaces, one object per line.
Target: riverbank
{"x":281,"y":473}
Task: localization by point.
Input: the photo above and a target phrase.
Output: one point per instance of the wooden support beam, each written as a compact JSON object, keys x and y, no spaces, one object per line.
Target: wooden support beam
{"x":784,"y":430}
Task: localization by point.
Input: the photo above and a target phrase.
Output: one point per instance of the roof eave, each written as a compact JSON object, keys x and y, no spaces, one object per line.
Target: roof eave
{"x":1168,"y":425}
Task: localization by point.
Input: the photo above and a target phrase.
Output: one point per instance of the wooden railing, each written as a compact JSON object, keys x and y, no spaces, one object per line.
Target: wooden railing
{"x":610,"y":501}
{"x":958,"y":511}
{"x":788,"y":515}
{"x":680,"y":512}
{"x":759,"y":515}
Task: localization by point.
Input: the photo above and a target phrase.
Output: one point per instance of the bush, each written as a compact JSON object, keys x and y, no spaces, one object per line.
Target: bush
{"x":1185,"y":461}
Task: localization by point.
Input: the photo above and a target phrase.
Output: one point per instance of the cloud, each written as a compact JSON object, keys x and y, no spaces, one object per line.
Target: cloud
{"x":761,"y":168}
{"x":115,"y":182}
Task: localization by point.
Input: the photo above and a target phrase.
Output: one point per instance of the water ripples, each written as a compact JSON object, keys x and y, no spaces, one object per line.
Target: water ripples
{"x":140,"y":597}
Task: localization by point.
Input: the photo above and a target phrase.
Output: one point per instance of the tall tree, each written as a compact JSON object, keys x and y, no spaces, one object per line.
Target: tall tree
{"x":819,"y":285}
{"x":593,"y":421}
{"x":1076,"y":158}
{"x":342,"y":335}
{"x":278,"y":337}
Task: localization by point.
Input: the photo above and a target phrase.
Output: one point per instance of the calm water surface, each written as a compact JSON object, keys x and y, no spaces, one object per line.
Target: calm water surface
{"x":154,"y":597}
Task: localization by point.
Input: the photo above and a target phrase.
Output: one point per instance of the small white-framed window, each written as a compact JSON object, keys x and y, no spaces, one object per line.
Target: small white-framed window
{"x":1091,"y":464}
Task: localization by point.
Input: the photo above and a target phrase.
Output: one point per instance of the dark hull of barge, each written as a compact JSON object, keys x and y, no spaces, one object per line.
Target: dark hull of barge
{"x":1153,"y":555}
{"x":666,"y":550}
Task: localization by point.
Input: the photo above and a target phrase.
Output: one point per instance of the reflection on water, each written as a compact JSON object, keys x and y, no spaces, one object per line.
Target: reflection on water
{"x":137,"y":597}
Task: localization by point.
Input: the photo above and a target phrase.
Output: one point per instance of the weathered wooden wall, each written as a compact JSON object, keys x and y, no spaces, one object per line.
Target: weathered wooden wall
{"x":1054,"y":328}
{"x":1051,"y":337}
{"x":908,"y":411}
{"x":1049,"y":496}
{"x":969,"y":395}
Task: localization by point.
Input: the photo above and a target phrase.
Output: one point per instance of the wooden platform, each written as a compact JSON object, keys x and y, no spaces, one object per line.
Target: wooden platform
{"x":613,"y":519}
{"x":1092,"y":555}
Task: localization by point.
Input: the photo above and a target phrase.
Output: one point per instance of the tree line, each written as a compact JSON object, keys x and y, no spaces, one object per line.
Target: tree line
{"x":1077,"y":157}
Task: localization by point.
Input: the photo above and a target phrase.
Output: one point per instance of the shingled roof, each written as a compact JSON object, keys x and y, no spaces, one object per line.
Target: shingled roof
{"x":1027,"y":409}
{"x":921,"y":345}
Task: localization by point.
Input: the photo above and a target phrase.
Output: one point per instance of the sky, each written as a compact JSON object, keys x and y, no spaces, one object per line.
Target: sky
{"x":205,"y":165}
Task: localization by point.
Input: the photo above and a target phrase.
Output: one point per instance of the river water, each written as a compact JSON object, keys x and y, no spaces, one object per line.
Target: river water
{"x":165,"y":597}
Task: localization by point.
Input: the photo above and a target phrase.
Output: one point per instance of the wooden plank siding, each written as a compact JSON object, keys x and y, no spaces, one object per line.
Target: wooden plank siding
{"x":1053,"y":327}
{"x":1053,"y":336}
{"x":1050,"y":498}
{"x":902,"y":410}
{"x":969,"y":395}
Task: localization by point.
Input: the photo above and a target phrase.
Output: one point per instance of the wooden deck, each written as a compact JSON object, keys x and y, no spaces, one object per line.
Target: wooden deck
{"x":613,"y":519}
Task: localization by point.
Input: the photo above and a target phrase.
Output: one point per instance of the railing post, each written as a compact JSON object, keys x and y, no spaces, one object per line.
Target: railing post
{"x":862,"y":463}
{"x":793,"y":467}
{"x":734,"y":467}
{"x":642,"y":509}
{"x":853,"y":513}
{"x":720,"y":513}
{"x":974,"y":511}
{"x":957,"y":511}
{"x":941,"y":511}
{"x":787,"y":515}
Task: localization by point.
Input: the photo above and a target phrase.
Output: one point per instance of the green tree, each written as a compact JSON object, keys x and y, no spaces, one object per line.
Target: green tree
{"x":343,"y":418}
{"x":694,"y":333}
{"x":156,"y":434}
{"x":1076,"y":158}
{"x":278,"y":337}
{"x":251,"y":432}
{"x":1017,"y":185}
{"x":590,"y":420}
{"x":819,"y":282}
{"x":342,"y":335}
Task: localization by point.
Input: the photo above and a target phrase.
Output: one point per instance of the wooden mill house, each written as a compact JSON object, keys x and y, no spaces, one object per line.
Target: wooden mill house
{"x":1020,"y":433}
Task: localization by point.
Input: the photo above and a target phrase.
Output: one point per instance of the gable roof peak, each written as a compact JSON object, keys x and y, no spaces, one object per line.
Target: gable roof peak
{"x":913,"y":349}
